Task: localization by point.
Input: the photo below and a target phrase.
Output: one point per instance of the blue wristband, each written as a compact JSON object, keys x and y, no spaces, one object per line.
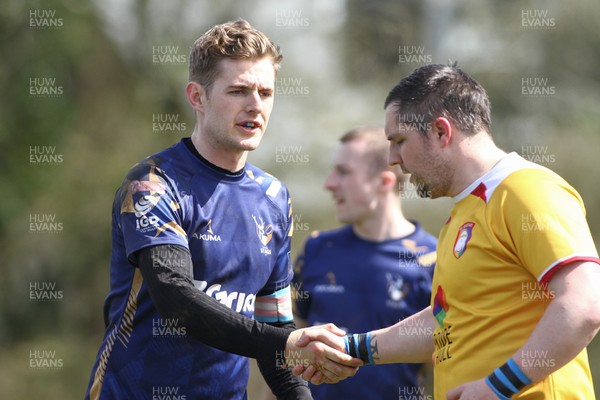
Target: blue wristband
{"x":359,"y":346}
{"x":347,"y":344}
{"x":507,"y":380}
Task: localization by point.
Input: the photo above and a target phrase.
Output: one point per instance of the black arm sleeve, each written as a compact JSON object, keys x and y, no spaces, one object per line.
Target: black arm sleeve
{"x":283,"y":384}
{"x":170,"y":283}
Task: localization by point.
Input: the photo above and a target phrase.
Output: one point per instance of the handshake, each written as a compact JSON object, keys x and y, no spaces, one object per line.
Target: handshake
{"x":319,"y":354}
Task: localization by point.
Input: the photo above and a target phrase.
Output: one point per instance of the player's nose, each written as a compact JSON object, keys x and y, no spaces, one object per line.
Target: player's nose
{"x":330,"y":182}
{"x":394,"y":158}
{"x":255,"y":102}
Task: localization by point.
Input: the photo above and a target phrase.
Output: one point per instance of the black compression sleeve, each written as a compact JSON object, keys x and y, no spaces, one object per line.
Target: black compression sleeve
{"x":283,"y":384}
{"x":169,"y":281}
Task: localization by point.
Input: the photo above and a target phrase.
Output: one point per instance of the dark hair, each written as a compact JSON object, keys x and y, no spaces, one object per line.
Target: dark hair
{"x":437,"y":90}
{"x":234,"y":40}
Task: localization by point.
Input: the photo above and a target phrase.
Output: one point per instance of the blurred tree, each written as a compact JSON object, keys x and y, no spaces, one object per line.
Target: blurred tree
{"x":99,"y":121}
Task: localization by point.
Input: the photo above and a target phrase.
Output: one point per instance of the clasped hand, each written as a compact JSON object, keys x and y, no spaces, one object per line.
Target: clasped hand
{"x":318,"y":354}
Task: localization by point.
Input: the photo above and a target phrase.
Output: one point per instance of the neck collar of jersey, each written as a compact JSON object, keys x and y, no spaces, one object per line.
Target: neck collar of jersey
{"x":222,"y":171}
{"x":393,"y":239}
{"x":484,"y":186}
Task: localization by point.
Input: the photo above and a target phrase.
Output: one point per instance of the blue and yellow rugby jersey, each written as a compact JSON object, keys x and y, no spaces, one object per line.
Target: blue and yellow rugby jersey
{"x":508,"y":233}
{"x":361,"y":286}
{"x":237,"y":229}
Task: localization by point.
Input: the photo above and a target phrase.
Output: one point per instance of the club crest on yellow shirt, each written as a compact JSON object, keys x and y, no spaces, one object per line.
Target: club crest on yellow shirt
{"x":462,"y":238}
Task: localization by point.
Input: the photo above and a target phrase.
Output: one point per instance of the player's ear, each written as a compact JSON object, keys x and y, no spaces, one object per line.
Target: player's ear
{"x":442,"y":130}
{"x":196,"y":95}
{"x":388,"y":180}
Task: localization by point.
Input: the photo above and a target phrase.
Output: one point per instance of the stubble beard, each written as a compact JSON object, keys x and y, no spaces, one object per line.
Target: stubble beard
{"x":436,"y":187}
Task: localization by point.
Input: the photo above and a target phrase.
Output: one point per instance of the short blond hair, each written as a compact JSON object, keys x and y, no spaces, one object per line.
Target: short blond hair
{"x":235,"y":40}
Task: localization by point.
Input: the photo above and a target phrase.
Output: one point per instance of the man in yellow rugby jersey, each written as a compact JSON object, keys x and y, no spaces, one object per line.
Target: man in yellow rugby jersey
{"x":516,"y":291}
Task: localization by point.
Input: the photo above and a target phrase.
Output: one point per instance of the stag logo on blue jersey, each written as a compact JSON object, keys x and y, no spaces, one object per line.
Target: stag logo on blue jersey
{"x":264,"y":233}
{"x":395,"y":287}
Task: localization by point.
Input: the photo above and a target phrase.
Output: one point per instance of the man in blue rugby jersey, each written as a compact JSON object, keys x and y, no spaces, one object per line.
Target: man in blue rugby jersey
{"x":200,"y":268}
{"x":372,"y":272}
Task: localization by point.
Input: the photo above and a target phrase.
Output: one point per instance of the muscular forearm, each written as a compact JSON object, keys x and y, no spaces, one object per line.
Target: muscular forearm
{"x":408,"y":341}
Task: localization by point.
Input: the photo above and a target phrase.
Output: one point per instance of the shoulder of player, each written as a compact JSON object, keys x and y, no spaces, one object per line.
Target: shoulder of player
{"x":145,"y":168}
{"x":150,"y":172}
{"x":337,"y":233}
{"x":273,"y":188}
{"x":159,"y":164}
{"x":154,"y":173}
{"x":534,"y":184}
{"x":315,"y":243}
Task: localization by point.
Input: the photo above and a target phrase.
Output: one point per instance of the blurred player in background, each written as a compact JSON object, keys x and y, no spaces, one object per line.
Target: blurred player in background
{"x":372,"y":272}
{"x":516,"y":290}
{"x":194,"y":224}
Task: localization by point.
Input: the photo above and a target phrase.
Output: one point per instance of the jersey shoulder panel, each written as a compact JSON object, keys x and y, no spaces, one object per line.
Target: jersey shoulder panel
{"x":276,"y":193}
{"x":534,"y":185}
{"x":485,"y":186}
{"x":272,"y":187}
{"x":158,"y":167}
{"x":148,"y":208}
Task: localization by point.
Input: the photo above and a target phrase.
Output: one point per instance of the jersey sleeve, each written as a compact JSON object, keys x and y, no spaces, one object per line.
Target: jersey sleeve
{"x":545,"y":217}
{"x":282,"y":273}
{"x":213,"y":323}
{"x":148,"y":211}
